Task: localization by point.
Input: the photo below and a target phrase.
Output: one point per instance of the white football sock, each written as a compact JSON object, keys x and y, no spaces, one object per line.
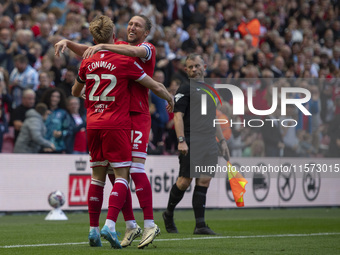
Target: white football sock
{"x":131,"y":224}
{"x":111,"y":224}
{"x":149,"y":223}
{"x":96,"y":228}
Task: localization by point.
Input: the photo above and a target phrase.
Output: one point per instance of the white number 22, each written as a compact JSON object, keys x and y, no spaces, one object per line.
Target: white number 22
{"x":103,"y":96}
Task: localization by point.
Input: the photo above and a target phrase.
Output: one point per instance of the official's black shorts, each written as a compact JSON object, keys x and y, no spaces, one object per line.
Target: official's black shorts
{"x":198,"y":159}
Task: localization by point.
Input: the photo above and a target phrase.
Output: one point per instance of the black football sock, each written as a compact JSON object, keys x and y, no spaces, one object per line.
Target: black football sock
{"x":198,"y":204}
{"x":175,"y":197}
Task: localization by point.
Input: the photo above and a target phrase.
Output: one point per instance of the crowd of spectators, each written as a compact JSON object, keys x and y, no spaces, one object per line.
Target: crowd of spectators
{"x":291,"y":43}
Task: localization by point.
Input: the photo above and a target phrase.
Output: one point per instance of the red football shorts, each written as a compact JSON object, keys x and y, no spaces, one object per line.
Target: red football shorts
{"x":140,"y":131}
{"x":109,"y":146}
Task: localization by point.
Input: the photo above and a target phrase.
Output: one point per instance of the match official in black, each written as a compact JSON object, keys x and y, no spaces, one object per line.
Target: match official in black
{"x":200,"y":136}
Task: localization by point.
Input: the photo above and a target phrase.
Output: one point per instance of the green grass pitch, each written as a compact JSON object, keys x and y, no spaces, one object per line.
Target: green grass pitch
{"x":241,"y":231}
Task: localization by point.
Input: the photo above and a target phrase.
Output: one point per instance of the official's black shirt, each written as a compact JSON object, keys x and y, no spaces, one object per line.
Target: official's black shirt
{"x":188,"y":101}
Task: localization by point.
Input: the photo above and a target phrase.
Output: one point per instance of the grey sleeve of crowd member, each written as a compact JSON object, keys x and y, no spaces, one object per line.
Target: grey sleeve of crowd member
{"x":36,"y":127}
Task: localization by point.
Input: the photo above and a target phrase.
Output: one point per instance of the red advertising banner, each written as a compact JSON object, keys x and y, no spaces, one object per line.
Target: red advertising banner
{"x":78,"y":189}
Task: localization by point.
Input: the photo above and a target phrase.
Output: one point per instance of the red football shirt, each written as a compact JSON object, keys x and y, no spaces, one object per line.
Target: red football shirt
{"x":139,"y":94}
{"x":107,"y":76}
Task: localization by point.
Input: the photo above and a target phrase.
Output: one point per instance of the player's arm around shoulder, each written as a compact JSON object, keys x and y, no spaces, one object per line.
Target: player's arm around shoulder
{"x":122,"y":49}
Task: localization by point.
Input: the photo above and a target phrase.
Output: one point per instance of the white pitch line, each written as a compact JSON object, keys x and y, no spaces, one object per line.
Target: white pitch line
{"x":184,"y":239}
{"x":243,"y":237}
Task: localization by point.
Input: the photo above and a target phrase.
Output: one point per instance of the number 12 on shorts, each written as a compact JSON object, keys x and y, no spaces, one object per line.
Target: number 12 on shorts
{"x":136,"y":136}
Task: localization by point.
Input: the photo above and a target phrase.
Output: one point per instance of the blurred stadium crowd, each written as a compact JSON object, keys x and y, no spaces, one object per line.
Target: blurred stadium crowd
{"x":286,"y":40}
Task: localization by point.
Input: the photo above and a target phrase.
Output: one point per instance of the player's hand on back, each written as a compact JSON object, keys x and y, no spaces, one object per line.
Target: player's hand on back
{"x":92,"y":50}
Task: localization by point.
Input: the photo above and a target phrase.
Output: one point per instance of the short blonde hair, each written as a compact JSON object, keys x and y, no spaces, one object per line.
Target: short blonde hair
{"x":101,"y":29}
